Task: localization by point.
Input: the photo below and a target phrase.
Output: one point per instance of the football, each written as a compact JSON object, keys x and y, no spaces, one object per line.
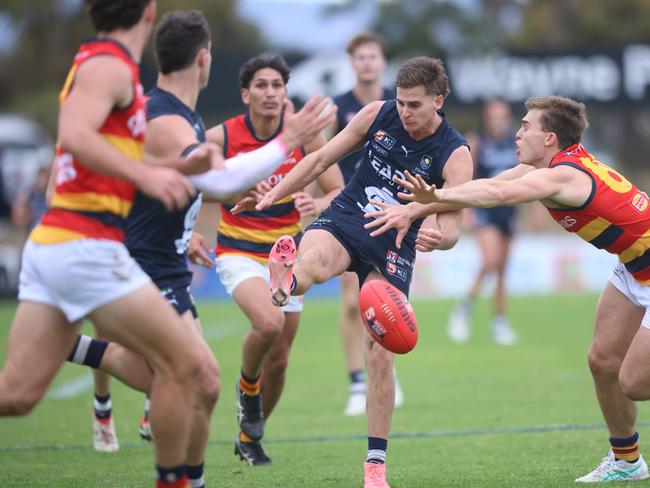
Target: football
{"x":388,"y":316}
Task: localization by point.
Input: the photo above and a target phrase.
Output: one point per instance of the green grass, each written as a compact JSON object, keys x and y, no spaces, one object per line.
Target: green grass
{"x":476,"y":415}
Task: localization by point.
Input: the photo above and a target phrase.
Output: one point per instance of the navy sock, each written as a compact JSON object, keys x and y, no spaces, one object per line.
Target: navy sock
{"x":357,"y":376}
{"x":195,"y":474}
{"x":88,"y":351}
{"x":377,"y":450}
{"x":171,"y":475}
{"x":103,"y":407}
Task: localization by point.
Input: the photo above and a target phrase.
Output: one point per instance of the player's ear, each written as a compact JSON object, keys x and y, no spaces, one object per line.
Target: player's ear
{"x":245,"y":96}
{"x":551,"y":139}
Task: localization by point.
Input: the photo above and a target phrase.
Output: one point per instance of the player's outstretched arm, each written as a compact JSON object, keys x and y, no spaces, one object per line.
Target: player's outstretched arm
{"x":100,"y":85}
{"x":245,"y":170}
{"x":314,"y":164}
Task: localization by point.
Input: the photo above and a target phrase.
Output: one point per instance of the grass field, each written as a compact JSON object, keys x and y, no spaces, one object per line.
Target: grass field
{"x":476,"y":415}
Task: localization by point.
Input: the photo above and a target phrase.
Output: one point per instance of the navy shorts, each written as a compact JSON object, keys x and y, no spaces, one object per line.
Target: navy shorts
{"x":180,"y":298}
{"x":368,"y":253}
{"x":503,"y":218}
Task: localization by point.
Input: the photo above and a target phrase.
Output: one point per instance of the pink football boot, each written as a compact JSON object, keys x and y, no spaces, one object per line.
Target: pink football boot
{"x":281,"y":259}
{"x":374,"y":476}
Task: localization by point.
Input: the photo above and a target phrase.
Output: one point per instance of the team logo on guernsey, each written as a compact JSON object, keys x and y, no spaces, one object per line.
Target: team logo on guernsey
{"x":384,"y":139}
{"x":640,"y":202}
{"x":392,"y":256}
{"x":425,"y":162}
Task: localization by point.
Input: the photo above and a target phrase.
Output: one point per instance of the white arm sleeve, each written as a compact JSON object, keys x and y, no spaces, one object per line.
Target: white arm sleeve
{"x":241,"y":172}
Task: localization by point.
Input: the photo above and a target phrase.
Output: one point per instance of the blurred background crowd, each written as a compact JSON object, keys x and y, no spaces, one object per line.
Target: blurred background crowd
{"x":505,"y":49}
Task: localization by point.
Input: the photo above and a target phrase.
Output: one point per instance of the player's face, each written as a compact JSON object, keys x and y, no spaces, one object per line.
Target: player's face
{"x":368,"y":62}
{"x":497,"y":119}
{"x":266,"y":94}
{"x":532,"y":141}
{"x":416,"y":109}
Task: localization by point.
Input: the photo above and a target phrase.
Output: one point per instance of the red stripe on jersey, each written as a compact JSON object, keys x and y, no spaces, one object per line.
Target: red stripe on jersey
{"x":240,"y":139}
{"x":124,"y":129}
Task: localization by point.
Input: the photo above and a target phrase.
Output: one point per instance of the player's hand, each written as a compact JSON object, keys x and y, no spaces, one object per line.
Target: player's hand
{"x":166,"y":185}
{"x":429,"y":240}
{"x":305,"y":204}
{"x":421,"y":191}
{"x":205,"y":157}
{"x":199,"y":251}
{"x":266,"y":201}
{"x":391,"y":217}
{"x":301,"y":127}
{"x":250,"y":199}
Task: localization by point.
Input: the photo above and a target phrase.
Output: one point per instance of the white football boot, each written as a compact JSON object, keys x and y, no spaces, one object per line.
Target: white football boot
{"x":104,"y":436}
{"x":610,"y":470}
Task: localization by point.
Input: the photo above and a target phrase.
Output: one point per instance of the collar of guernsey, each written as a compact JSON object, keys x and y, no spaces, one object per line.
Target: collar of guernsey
{"x":88,"y":204}
{"x":253,"y":234}
{"x":615,"y":217}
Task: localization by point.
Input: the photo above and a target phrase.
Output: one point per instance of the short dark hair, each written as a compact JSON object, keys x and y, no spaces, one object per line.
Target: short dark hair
{"x":109,"y":15}
{"x":261,"y":61}
{"x":365,"y":37}
{"x":423,"y":71}
{"x":563,"y":116}
{"x":178,"y":38}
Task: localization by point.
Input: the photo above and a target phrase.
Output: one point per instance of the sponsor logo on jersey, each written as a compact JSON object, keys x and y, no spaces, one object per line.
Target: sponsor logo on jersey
{"x":392,"y":256}
{"x":377,"y":148}
{"x":640,"y":202}
{"x":406,"y":151}
{"x":395,"y":270}
{"x":384,"y":139}
{"x":425,"y":162}
{"x":567,"y":222}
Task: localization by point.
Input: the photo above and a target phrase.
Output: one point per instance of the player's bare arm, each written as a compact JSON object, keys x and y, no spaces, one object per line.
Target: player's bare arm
{"x":170,"y":136}
{"x":559,"y":186}
{"x":330,"y":184}
{"x":100,"y":85}
{"x":314,"y":164}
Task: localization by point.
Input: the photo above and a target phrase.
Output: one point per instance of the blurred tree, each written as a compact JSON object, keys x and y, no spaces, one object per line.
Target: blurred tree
{"x":582,"y":24}
{"x":50,"y":32}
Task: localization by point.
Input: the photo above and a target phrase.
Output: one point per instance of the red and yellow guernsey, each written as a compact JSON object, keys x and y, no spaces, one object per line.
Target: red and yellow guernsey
{"x":88,"y":204}
{"x":615,"y":217}
{"x":252,"y":234}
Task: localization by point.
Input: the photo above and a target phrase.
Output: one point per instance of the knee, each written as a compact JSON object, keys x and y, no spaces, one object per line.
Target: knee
{"x":603,"y":363}
{"x":209,"y":382}
{"x":270,"y":326}
{"x":17,"y":403}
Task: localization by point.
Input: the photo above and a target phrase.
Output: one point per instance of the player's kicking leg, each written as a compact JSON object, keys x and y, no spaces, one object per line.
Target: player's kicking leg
{"x":321,"y":257}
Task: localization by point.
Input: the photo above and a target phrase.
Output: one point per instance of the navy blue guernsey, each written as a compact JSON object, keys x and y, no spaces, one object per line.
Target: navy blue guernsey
{"x":389,"y":152}
{"x":495,"y":155}
{"x":348,"y":106}
{"x":157,"y":239}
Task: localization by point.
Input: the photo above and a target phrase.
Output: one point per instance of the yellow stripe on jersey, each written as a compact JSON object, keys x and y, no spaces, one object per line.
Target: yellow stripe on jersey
{"x":68,"y":83}
{"x":287,"y":199}
{"x":127,"y":146}
{"x":266,"y":236}
{"x":593,"y":229}
{"x":92,"y":202}
{"x":46,"y":234}
{"x":636,"y":249}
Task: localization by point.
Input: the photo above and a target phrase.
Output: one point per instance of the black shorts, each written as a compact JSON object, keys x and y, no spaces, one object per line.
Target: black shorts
{"x":503,"y":218}
{"x":180,"y":298}
{"x":368,"y":253}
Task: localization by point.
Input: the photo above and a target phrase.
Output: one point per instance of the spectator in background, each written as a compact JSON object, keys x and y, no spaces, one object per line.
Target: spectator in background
{"x":31,"y":202}
{"x":493,"y":152}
